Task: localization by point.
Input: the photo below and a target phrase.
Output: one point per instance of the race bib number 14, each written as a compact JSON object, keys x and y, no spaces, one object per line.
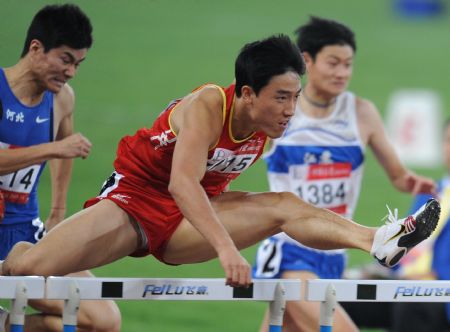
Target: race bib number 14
{"x":16,"y":187}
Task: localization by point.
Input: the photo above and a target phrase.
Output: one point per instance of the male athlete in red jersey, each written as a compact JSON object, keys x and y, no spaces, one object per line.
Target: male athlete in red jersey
{"x":166,"y":195}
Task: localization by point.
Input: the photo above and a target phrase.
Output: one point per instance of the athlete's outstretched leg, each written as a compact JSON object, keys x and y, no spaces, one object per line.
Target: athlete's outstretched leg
{"x":249,"y":218}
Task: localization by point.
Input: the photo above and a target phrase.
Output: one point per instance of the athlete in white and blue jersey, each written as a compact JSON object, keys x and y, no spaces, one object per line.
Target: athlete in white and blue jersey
{"x":320,"y":158}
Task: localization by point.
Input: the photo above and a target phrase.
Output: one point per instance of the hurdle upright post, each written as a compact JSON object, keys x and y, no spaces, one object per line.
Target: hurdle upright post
{"x":18,"y":290}
{"x":71,"y":306}
{"x":276,"y":309}
{"x":18,"y":307}
{"x":327,"y":309}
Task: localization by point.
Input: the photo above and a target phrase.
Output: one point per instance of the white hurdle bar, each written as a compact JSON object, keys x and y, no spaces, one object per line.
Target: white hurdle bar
{"x":19,"y":290}
{"x":72,"y":290}
{"x":330,"y":291}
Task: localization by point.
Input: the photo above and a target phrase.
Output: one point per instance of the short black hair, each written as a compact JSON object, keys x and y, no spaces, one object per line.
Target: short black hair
{"x":259,"y":61}
{"x":57,"y":25}
{"x":321,"y":32}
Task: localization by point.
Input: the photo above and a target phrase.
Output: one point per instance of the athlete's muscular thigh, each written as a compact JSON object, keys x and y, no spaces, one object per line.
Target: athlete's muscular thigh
{"x":80,"y":242}
{"x":248,"y":217}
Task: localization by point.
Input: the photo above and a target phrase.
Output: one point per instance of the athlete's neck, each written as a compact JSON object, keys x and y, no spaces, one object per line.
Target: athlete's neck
{"x":316,"y":103}
{"x":314,"y":106}
{"x":239,"y":121}
{"x":23,"y":84}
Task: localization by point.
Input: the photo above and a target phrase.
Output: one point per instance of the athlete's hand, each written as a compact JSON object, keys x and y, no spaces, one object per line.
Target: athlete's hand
{"x":55,"y":217}
{"x":75,"y":145}
{"x":237,"y":270}
{"x":416,"y":184}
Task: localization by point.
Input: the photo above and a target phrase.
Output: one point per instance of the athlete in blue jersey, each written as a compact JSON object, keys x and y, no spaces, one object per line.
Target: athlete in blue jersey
{"x":320,"y":158}
{"x":36,"y":106}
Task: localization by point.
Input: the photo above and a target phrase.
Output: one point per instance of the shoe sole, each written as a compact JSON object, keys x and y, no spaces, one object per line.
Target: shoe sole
{"x":426,"y":222}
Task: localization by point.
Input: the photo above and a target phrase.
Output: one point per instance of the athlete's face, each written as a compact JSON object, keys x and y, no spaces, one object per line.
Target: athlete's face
{"x":332,"y":69}
{"x":275,"y":104}
{"x":54,"y":68}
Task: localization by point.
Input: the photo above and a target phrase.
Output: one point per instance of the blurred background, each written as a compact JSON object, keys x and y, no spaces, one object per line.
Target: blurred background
{"x":147,"y":53}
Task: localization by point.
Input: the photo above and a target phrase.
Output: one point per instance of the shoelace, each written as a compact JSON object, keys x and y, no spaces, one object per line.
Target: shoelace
{"x":390,"y":217}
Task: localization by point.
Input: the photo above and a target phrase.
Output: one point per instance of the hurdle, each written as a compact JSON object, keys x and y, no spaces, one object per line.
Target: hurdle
{"x":19,"y":290}
{"x":72,"y":290}
{"x":329,"y":291}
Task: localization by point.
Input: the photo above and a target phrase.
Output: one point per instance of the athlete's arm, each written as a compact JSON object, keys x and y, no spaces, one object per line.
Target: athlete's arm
{"x":71,"y":146}
{"x":61,"y":169}
{"x":199,"y":124}
{"x":374,"y":134}
{"x":12,"y":160}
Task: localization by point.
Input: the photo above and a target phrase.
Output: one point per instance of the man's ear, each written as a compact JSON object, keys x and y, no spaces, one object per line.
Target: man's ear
{"x":35,"y":47}
{"x":308,"y":58}
{"x":247,"y":93}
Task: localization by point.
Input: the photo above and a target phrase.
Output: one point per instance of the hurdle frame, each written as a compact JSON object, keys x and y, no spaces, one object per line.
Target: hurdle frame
{"x":72,"y":290}
{"x":274,"y":291}
{"x":329,"y":291}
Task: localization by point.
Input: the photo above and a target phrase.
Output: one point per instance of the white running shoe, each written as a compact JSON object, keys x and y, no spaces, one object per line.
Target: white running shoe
{"x":394,"y":239}
{"x":3,"y":316}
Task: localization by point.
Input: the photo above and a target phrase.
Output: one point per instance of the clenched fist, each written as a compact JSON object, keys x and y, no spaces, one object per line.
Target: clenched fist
{"x":75,"y":145}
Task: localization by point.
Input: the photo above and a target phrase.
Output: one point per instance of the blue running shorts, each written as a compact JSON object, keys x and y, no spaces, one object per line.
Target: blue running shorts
{"x":275,"y":257}
{"x":11,"y":234}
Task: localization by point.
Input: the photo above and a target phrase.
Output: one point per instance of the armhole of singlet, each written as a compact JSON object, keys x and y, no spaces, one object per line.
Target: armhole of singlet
{"x":353,"y":99}
{"x":224,"y":108}
{"x":52,"y":118}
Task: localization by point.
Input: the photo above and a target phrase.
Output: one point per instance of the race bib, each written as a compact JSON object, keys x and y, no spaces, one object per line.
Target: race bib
{"x":268,"y":259}
{"x":323,"y":185}
{"x":227,"y":161}
{"x":16,"y":186}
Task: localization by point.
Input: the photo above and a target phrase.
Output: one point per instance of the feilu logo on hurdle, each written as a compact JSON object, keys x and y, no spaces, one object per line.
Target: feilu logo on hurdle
{"x":419,"y":291}
{"x":169,"y":289}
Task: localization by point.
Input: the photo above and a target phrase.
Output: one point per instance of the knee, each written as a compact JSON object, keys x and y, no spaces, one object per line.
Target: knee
{"x":19,"y":268}
{"x":286,"y":200}
{"x":101,"y":316}
{"x":16,"y":264}
{"x":286,"y":196}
